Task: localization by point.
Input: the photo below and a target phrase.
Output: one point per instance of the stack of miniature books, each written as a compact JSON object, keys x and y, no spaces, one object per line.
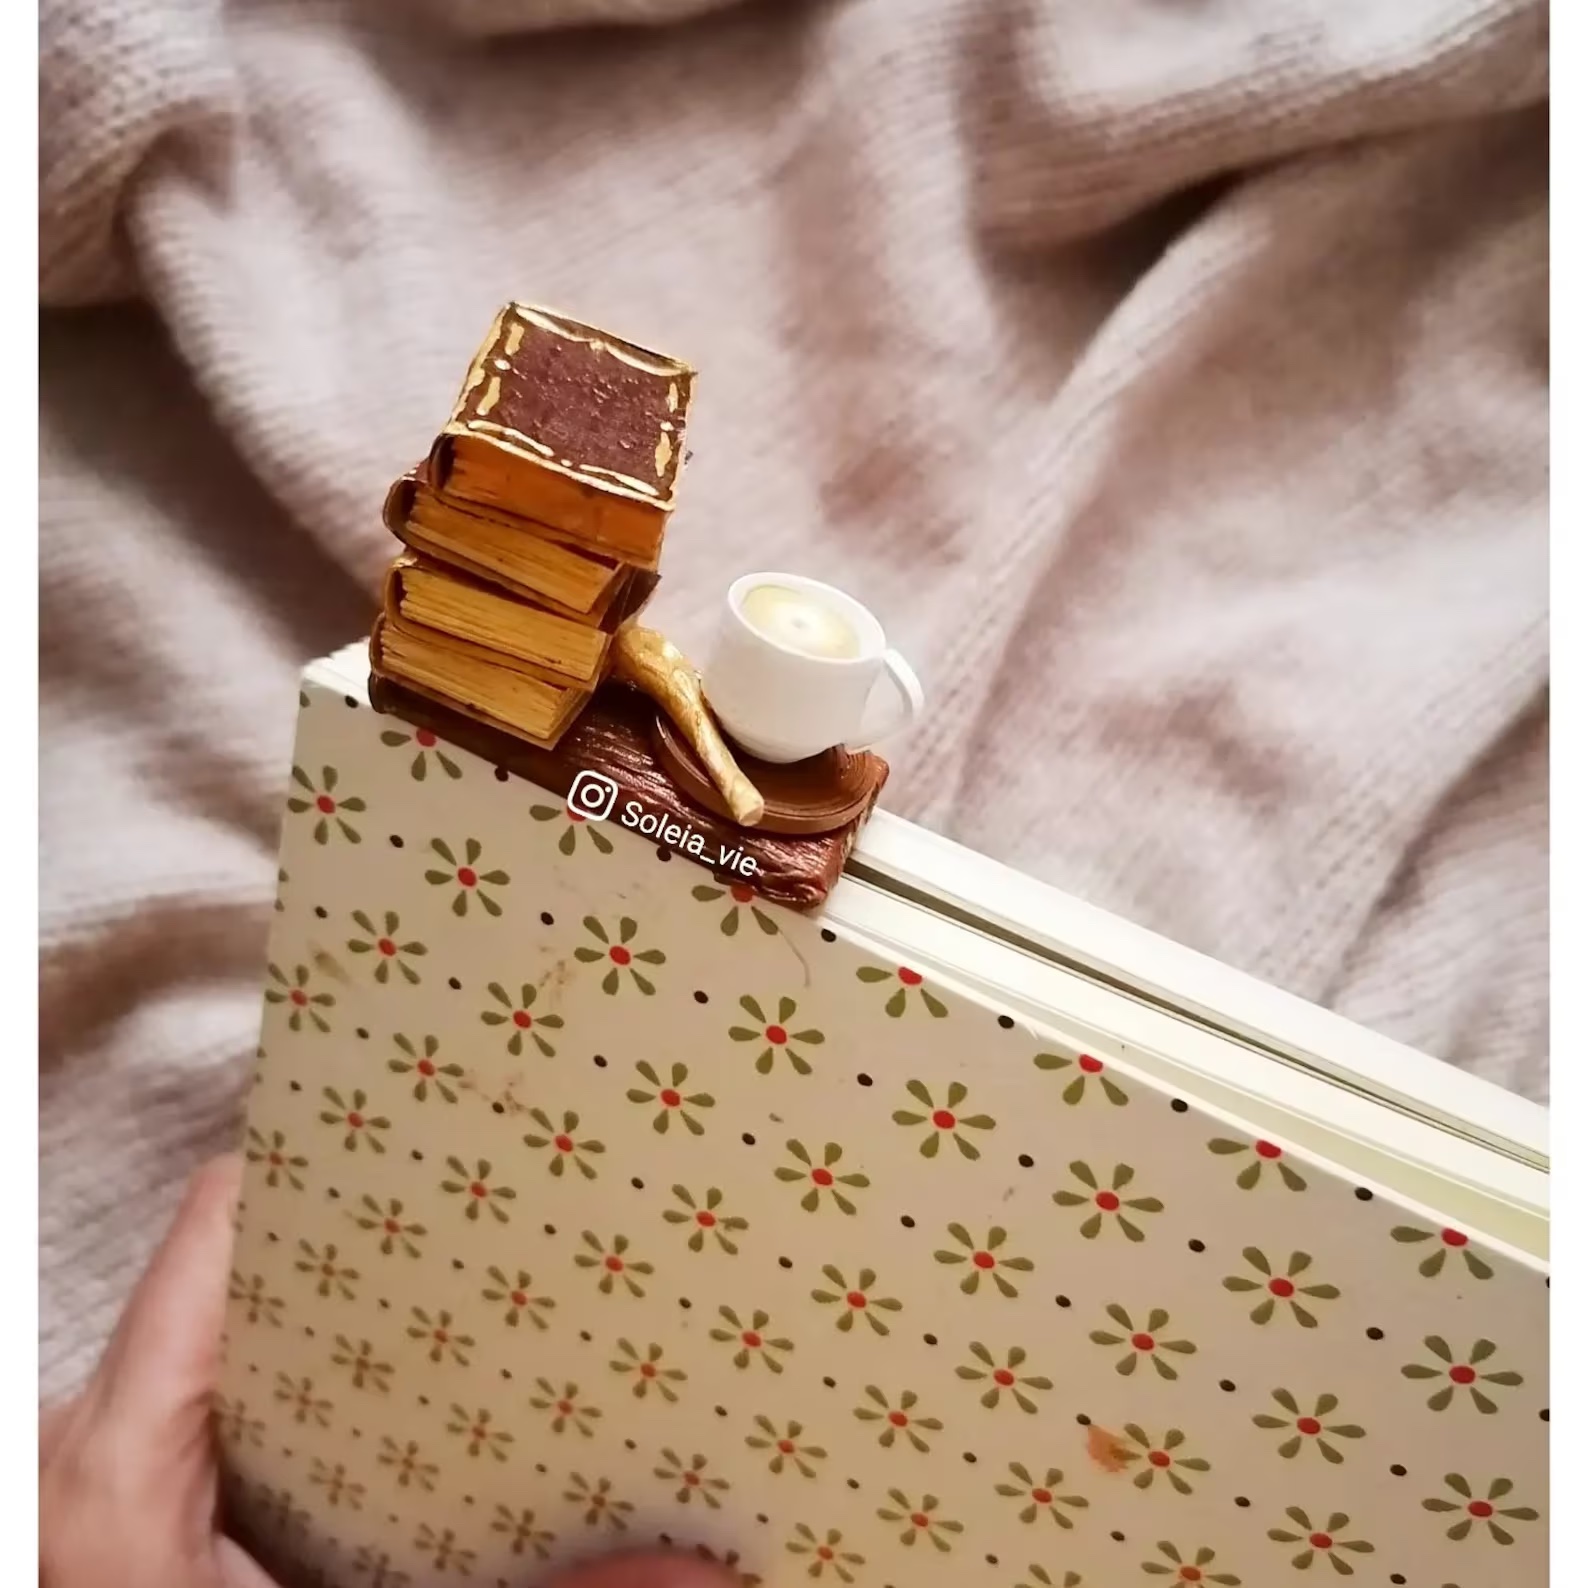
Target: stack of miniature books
{"x":535,"y":526}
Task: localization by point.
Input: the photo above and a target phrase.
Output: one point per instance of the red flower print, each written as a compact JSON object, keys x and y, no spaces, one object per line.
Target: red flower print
{"x":320,"y":800}
{"x":1447,"y":1241}
{"x":1088,"y":1068}
{"x":826,"y":1552}
{"x":692,"y":1480}
{"x":599,"y":1505}
{"x":407,"y":1464}
{"x":440,"y":1336}
{"x":520,"y":1020}
{"x":466,"y":877}
{"x":426,"y":747}
{"x":855,"y":1301}
{"x":648,"y":1370}
{"x":351,"y":1116}
{"x":306,"y":1406}
{"x":1193,"y":1570}
{"x":254,"y":1301}
{"x":944,"y":1120}
{"x":443,"y":1549}
{"x":985,"y":1258}
{"x":1480,"y":1513}
{"x":672,"y":1097}
{"x":1147,"y":1342}
{"x":899,"y":1421}
{"x":905,"y":981}
{"x":1281,"y":1290}
{"x":919,"y":1519}
{"x":750,"y":1339}
{"x":339,"y":1488}
{"x":564,"y":1148}
{"x":564,"y":1407}
{"x":785,"y":1447}
{"x":1320,"y":1539}
{"x":358,"y":1358}
{"x":272,"y":1152}
{"x":575,"y":826}
{"x":1264,"y":1155}
{"x":301,"y":1004}
{"x":329,"y":1274}
{"x":775,"y":1037}
{"x":619,"y":957}
{"x":522,"y":1532}
{"x":1159,"y":1458}
{"x":740,"y":896}
{"x":614,"y":1264}
{"x":705,"y":1219}
{"x":477,"y":1191}
{"x":234,"y":1424}
{"x":477,"y":1434}
{"x":1460,"y":1374}
{"x":1105,"y":1205}
{"x":1039,"y":1494}
{"x":1308,"y":1428}
{"x":1003,"y":1378}
{"x":383,"y":945}
{"x":820,"y":1177}
{"x":394,"y":1230}
{"x":519,"y":1297}
{"x":426,"y":1070}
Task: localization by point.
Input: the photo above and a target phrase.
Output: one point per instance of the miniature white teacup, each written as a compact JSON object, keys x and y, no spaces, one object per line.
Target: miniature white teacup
{"x":799,"y":667}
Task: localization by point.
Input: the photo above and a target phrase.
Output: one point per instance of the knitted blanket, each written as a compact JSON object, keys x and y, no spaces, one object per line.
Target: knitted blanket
{"x":1170,"y":379}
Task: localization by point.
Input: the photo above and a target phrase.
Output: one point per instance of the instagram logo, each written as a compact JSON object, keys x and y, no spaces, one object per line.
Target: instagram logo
{"x":592,"y":796}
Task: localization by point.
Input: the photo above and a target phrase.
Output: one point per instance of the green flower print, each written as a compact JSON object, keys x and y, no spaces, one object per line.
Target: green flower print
{"x":1193,"y":1570}
{"x":908,"y":981}
{"x":787,"y":1451}
{"x":600,"y":1506}
{"x":518,"y":1017}
{"x":339,"y":1487}
{"x":649,"y":1371}
{"x":826,"y":1552}
{"x":619,"y":955}
{"x":1161,"y":1458}
{"x":272,"y":1152}
{"x":565,"y":1149}
{"x":614,"y":1265}
{"x":440,"y":1339}
{"x":423,"y":1066}
{"x":898,"y":1422}
{"x":426,"y":749}
{"x":775,"y":1036}
{"x":327,"y":808}
{"x":236,"y":1426}
{"x":943,"y":1121}
{"x":466,"y":877}
{"x":1003,"y":1378}
{"x":254,"y":1300}
{"x":394,"y":1230}
{"x":729,"y":1559}
{"x":329,"y":1274}
{"x":408,"y":1465}
{"x":855,"y":1301}
{"x":1262,"y":1156}
{"x":1037,"y":1495}
{"x":477,"y":1434}
{"x":349,"y":1116}
{"x":920,"y":1520}
{"x":692,"y":1480}
{"x":358,"y":1358}
{"x":282,"y":879}
{"x":577,"y":824}
{"x":1088,"y":1068}
{"x":741,"y":897}
{"x":1460,"y":1374}
{"x":383,"y":944}
{"x":298,"y":1395}
{"x":376,"y":1565}
{"x":1040,"y":1576}
{"x":563,"y":1405}
{"x":706,"y":1219}
{"x":1281,"y":1290}
{"x":1448,"y":1241}
{"x":1106,"y":1204}
{"x":1481,"y":1513}
{"x":280,"y":1510}
{"x":672,"y":1097}
{"x":1320,"y":1539}
{"x":520,"y":1298}
{"x":820,"y":1177}
{"x":301,"y":1003}
{"x":477,"y":1190}
{"x":984,"y":1258}
{"x":442,"y":1548}
{"x":1304,"y":1428}
{"x":751,"y":1339}
{"x":522,"y":1533}
{"x":1147,"y":1342}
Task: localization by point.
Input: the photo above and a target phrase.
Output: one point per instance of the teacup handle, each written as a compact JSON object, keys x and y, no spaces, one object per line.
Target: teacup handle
{"x":883,"y":716}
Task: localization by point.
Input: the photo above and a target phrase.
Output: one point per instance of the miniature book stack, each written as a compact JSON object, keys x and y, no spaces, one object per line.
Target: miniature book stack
{"x":534,"y":527}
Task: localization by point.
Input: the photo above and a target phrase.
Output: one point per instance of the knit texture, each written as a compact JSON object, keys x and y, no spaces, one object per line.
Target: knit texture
{"x":1170,"y":380}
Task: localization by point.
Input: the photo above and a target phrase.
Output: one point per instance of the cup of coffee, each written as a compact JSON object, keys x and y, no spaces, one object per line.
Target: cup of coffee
{"x":799,"y":667}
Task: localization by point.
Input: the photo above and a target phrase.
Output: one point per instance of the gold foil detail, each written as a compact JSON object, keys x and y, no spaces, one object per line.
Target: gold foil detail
{"x":515,"y":335}
{"x":492,"y":396}
{"x":672,"y":396}
{"x":664,"y":452}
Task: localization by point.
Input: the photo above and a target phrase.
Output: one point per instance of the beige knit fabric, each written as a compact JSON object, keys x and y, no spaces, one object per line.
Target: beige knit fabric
{"x":1170,"y":378}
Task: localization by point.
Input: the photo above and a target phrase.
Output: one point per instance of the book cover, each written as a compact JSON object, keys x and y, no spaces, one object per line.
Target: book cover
{"x":593,"y":1202}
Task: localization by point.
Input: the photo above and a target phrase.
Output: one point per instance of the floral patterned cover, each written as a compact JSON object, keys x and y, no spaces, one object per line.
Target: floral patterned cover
{"x":592,"y":1202}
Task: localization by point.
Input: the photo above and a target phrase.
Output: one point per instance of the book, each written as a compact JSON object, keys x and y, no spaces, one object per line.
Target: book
{"x":953,"y":1232}
{"x":468,"y":678}
{"x":523,"y":558}
{"x":429,"y":599}
{"x":567,"y":425}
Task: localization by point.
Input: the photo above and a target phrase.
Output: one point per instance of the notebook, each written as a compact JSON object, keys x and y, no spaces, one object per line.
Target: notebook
{"x":955,"y":1233}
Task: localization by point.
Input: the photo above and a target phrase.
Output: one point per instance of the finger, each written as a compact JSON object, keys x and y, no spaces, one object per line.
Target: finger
{"x":646,"y":1569}
{"x":163,"y":1362}
{"x":238,"y":1569}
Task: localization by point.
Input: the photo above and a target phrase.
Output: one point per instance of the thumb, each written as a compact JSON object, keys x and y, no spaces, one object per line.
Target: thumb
{"x":162,"y":1364}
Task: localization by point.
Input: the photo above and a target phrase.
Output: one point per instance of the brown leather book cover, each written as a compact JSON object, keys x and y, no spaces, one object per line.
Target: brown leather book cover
{"x":568,"y":425}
